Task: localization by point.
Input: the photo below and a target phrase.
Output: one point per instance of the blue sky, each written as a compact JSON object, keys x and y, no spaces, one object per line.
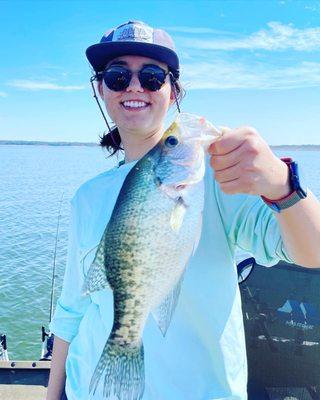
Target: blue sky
{"x":243,"y":63}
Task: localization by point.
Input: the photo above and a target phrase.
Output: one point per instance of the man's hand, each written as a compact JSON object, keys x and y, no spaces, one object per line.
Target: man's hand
{"x":244,"y":163}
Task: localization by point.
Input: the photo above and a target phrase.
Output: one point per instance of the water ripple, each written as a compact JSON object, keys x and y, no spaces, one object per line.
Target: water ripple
{"x":32,"y":180}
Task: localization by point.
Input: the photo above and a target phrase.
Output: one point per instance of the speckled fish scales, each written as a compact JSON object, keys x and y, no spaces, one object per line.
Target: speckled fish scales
{"x":153,"y":230}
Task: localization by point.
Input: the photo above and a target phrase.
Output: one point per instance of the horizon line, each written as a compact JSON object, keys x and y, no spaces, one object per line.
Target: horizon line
{"x":68,"y":143}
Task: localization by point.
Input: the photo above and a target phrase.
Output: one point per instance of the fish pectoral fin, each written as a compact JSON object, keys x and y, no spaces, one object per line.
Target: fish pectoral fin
{"x":177,"y":215}
{"x":164,"y":312}
{"x":96,"y":279}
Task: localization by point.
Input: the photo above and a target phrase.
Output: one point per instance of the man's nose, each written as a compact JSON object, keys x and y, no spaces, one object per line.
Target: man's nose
{"x":135,"y":84}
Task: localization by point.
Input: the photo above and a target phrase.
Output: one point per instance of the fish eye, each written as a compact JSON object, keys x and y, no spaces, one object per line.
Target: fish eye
{"x":171,"y":141}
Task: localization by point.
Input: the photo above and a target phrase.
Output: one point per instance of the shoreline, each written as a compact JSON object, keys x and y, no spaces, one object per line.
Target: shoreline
{"x":309,"y":147}
{"x":40,"y":143}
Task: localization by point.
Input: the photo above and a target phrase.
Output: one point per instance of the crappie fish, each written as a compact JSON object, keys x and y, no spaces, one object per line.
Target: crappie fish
{"x":153,"y":230}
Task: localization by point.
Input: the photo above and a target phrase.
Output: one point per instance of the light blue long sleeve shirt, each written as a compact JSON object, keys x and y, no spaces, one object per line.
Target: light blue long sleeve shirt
{"x":203,"y":355}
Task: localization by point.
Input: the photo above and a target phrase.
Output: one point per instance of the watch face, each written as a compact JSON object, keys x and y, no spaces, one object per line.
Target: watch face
{"x":295,"y":180}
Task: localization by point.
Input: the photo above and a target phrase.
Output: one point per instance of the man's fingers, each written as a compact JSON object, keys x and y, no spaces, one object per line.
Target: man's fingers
{"x":228,"y":174}
{"x":231,"y":187}
{"x":230,"y":140}
{"x":219,"y":162}
{"x":223,"y":130}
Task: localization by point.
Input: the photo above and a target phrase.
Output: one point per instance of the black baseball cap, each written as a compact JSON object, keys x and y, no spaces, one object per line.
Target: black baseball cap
{"x":134,"y":38}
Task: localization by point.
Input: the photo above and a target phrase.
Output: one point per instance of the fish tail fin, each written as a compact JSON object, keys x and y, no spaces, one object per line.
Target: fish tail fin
{"x":123,"y":369}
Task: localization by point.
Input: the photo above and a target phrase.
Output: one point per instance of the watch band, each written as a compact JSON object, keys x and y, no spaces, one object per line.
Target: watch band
{"x":296,"y":194}
{"x":285,"y":202}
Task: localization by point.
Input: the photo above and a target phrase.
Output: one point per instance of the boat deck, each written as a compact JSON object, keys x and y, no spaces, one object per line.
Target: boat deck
{"x":22,"y":392}
{"x":24,"y":380}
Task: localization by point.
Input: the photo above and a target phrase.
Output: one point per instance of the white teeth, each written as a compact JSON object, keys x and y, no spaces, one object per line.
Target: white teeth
{"x":134,"y":104}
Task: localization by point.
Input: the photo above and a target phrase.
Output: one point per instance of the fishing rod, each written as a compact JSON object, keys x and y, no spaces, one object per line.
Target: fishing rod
{"x":54,"y":262}
{"x":47,"y":345}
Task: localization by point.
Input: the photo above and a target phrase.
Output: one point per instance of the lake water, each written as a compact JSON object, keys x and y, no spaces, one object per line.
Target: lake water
{"x":33,"y":180}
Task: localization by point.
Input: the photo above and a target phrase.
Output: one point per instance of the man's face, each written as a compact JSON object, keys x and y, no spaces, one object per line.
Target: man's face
{"x":127,"y":116}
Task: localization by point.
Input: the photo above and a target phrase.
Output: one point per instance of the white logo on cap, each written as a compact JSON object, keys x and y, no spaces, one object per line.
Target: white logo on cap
{"x":133,"y":33}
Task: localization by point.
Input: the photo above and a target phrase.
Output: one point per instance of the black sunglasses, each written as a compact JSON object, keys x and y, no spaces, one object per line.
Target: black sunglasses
{"x":117,"y":77}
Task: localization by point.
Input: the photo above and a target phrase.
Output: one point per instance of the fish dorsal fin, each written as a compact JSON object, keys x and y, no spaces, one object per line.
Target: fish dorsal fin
{"x":164,"y":312}
{"x":96,"y":278}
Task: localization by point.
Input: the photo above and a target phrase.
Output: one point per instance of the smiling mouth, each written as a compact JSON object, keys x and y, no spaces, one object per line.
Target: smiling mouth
{"x":135,"y":105}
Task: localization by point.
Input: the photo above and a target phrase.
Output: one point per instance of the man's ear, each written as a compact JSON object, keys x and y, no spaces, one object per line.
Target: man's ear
{"x":100,"y":88}
{"x":172,"y":98}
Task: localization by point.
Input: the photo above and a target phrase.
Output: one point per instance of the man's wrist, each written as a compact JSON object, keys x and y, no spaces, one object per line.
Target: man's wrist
{"x":296,"y":191}
{"x":283,"y":189}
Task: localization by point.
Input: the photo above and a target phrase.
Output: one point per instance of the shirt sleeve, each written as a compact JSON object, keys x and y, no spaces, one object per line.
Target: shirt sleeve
{"x":251,"y":226}
{"x":71,"y":305}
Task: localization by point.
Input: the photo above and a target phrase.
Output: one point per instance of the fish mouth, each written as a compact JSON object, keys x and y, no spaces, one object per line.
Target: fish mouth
{"x":207,"y":133}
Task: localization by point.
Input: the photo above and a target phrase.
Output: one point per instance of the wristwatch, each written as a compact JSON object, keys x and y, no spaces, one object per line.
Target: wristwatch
{"x":296,"y":194}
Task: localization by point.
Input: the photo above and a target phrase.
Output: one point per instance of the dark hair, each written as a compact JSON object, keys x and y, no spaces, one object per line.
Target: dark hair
{"x":112,"y":140}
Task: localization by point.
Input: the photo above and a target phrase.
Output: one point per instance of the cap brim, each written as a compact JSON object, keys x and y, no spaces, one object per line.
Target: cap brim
{"x":101,"y":53}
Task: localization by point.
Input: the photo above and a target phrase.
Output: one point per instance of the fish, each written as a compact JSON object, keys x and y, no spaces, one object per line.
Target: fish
{"x":142,"y":256}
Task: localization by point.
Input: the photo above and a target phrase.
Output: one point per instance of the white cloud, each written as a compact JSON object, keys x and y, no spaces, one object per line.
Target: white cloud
{"x":35,"y":85}
{"x":314,"y":7}
{"x":196,"y":30}
{"x":3,"y":94}
{"x":208,"y":61}
{"x":277,"y":36}
{"x":225,"y":75}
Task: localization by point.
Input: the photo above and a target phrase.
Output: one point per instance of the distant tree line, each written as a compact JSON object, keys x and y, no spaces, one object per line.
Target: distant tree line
{"x":39,"y":143}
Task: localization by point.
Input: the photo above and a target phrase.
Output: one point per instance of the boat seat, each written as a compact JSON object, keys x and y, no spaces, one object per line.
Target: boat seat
{"x":281,"y":311}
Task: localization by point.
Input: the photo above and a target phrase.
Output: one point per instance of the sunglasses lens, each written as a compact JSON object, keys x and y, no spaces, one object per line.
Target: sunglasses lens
{"x":152,"y":77}
{"x":117,"y":78}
